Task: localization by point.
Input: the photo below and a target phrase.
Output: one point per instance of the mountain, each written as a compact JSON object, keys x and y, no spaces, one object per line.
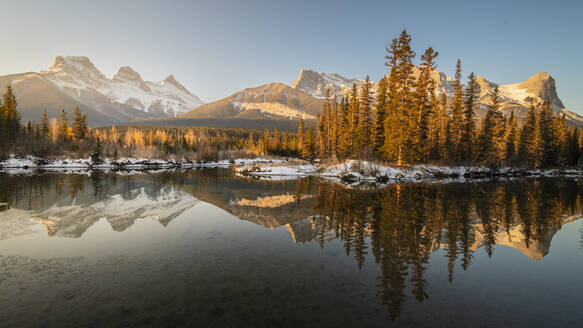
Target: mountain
{"x":515,"y":97}
{"x":315,"y":84}
{"x":273,"y":104}
{"x":75,"y":82}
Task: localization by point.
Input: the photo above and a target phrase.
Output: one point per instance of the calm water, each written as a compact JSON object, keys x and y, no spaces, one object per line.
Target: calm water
{"x":205,"y":248}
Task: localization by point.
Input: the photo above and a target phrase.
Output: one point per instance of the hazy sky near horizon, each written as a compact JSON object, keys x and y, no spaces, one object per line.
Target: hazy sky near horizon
{"x":216,"y":48}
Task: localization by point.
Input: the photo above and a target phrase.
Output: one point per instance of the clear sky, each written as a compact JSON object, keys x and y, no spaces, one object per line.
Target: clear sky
{"x":216,"y":48}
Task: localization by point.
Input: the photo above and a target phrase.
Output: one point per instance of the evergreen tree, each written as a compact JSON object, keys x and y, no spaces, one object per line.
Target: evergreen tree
{"x":353,"y":111}
{"x":323,"y":127}
{"x":333,"y":127}
{"x":456,"y":121}
{"x":10,"y":116}
{"x":364,"y":120}
{"x":96,"y":156}
{"x":468,"y":132}
{"x":574,"y":148}
{"x":399,"y":127}
{"x":511,"y":140}
{"x":300,"y":136}
{"x":424,"y":103}
{"x":378,"y":127}
{"x":77,"y":125}
{"x":309,"y":150}
{"x":44,"y":124}
{"x":527,"y":139}
{"x":490,"y":135}
{"x":63,"y":129}
{"x":547,"y":142}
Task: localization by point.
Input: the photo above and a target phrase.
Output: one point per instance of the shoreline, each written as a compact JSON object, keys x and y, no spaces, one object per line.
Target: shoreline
{"x":351,"y":172}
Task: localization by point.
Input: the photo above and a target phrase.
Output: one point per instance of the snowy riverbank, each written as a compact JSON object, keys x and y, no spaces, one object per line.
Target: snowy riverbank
{"x":35,"y":163}
{"x":351,"y":172}
{"x":356,"y":172}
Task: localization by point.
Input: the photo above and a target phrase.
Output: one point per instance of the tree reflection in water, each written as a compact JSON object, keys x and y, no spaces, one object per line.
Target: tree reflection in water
{"x":406,"y":223}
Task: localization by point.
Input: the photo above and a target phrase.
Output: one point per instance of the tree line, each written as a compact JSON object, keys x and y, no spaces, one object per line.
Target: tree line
{"x":409,"y":122}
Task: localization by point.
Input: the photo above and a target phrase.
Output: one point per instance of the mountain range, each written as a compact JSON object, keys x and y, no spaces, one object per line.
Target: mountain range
{"x":75,"y":82}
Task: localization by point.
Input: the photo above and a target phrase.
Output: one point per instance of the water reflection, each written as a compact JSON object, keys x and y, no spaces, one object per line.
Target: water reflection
{"x":399,"y":227}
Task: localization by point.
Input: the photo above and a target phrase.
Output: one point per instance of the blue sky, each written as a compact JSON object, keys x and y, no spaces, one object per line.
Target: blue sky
{"x":218,"y":47}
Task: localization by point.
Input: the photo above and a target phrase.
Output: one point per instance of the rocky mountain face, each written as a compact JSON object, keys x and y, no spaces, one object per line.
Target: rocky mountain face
{"x":75,"y":82}
{"x":316,"y":84}
{"x":270,"y":103}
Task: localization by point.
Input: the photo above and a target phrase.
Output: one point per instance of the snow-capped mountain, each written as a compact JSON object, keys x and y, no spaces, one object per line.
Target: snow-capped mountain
{"x":76,"y":82}
{"x":315,"y":84}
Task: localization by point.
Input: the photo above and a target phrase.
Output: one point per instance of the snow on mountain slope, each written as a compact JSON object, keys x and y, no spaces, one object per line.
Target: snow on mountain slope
{"x":315,"y":84}
{"x":77,"y":77}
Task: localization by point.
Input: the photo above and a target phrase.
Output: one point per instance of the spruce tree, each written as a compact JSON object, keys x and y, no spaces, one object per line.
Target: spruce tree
{"x":511,"y":140}
{"x":574,"y":149}
{"x":10,"y":116}
{"x":378,"y":127}
{"x":547,"y":142}
{"x":424,"y":103}
{"x":468,"y":133}
{"x":353,"y":110}
{"x":44,"y":124}
{"x":456,"y":121}
{"x":63,"y":129}
{"x":364,"y":119}
{"x":77,"y":125}
{"x":300,"y":137}
{"x":309,"y":150}
{"x":399,"y":127}
{"x":527,"y":139}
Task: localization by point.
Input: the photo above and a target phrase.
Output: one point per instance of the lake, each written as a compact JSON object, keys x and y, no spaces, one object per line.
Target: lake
{"x":206,"y":248}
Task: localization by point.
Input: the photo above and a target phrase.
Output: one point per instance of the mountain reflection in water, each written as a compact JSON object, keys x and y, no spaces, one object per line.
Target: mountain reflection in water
{"x":399,"y":226}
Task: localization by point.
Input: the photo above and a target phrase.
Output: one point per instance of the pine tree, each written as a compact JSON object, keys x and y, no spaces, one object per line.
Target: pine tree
{"x":399,"y":127}
{"x":574,"y":148}
{"x":333,"y":133}
{"x":10,"y":116}
{"x":511,"y":140}
{"x":364,"y":119}
{"x":323,"y":127}
{"x":63,"y":129}
{"x":378,"y":127}
{"x":456,"y":121}
{"x":96,"y":156}
{"x":44,"y":124}
{"x":489,"y":139}
{"x":353,"y":111}
{"x":527,"y":139}
{"x":77,"y":125}
{"x":424,"y":103}
{"x":547,"y":142}
{"x":309,"y":150}
{"x":300,"y":136}
{"x":468,"y":132}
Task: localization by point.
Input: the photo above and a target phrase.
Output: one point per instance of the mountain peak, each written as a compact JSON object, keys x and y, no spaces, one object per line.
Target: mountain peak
{"x":126,"y":73}
{"x":76,"y":62}
{"x":316,"y":84}
{"x":171,"y":79}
